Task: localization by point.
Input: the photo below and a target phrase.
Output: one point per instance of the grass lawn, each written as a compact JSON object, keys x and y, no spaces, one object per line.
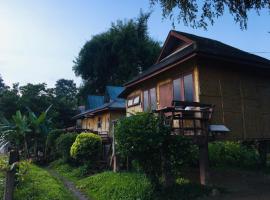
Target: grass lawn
{"x":38,"y":184}
{"x":127,"y":186}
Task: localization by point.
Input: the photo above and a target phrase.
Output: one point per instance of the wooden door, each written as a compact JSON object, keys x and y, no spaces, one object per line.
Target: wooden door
{"x":165,"y":95}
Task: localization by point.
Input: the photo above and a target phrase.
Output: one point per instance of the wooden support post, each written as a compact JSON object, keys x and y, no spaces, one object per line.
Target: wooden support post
{"x":10,"y":175}
{"x":263,"y":152}
{"x":204,"y":162}
{"x":115,"y":168}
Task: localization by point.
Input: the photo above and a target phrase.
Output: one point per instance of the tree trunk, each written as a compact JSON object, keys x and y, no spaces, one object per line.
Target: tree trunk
{"x":36,"y":149}
{"x":26,"y":153}
{"x":10,"y":176}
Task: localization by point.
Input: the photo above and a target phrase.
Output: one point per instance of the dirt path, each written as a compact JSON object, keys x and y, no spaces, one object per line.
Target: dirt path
{"x":69,"y":185}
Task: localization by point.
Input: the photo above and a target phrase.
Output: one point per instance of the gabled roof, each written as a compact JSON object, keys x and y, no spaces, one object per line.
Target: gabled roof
{"x":113,"y":105}
{"x":94,"y":101}
{"x":113,"y":92}
{"x":98,"y":104}
{"x":190,"y":45}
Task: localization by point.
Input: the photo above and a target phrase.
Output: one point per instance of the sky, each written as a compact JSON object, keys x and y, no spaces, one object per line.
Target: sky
{"x":40,"y":39}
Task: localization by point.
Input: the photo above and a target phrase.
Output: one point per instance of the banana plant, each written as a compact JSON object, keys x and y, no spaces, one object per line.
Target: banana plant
{"x":16,"y":131}
{"x":37,"y":125}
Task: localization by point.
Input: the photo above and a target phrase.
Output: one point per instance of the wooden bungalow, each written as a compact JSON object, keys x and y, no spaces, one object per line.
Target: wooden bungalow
{"x":101,"y":111}
{"x":197,"y":69}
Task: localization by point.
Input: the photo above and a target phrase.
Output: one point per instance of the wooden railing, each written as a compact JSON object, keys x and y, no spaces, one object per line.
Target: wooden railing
{"x":188,"y":118}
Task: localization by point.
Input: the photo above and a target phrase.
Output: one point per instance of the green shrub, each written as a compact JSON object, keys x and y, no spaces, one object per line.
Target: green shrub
{"x":117,"y":186}
{"x":145,"y":138}
{"x":87,"y":148}
{"x":51,"y":153}
{"x":232,"y":154}
{"x":64,"y":143}
{"x":39,"y":184}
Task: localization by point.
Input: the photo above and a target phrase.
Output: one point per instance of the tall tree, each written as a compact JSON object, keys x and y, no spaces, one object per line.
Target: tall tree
{"x":200,"y":13}
{"x":36,"y":97}
{"x":9,"y":101}
{"x":2,"y":84}
{"x":65,"y":102}
{"x":117,"y":55}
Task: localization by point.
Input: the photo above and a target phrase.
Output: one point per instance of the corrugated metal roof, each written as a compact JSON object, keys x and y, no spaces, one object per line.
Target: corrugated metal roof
{"x":114,"y":91}
{"x":108,"y":102}
{"x":113,"y":105}
{"x":94,"y":101}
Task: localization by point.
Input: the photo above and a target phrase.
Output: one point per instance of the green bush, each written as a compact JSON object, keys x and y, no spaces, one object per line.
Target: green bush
{"x":233,"y":154}
{"x":87,"y":148}
{"x":63,"y":145}
{"x":37,"y":183}
{"x":117,"y":186}
{"x":145,"y":139}
{"x":51,"y":153}
{"x":183,"y":189}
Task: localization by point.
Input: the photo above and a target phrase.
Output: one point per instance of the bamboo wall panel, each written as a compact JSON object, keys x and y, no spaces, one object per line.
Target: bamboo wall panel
{"x":241,"y":99}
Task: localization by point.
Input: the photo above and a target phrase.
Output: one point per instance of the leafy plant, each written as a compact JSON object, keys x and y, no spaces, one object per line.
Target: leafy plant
{"x":37,"y":125}
{"x":144,"y":137}
{"x":16,"y":132}
{"x":87,"y":148}
{"x":50,"y":149}
{"x":63,"y":145}
{"x":233,"y":154}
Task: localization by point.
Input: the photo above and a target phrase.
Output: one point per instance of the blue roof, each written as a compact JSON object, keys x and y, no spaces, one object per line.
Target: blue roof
{"x":110,"y":101}
{"x":94,"y":101}
{"x":113,"y":105}
{"x":113,"y":92}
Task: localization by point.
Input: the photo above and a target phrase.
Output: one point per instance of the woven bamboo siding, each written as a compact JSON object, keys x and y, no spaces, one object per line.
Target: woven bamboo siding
{"x":161,"y":79}
{"x":241,"y":100}
{"x":91,"y":123}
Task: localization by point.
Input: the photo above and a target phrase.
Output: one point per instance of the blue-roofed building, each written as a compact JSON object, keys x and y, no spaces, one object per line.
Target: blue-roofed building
{"x":94,"y":101}
{"x":102,"y":110}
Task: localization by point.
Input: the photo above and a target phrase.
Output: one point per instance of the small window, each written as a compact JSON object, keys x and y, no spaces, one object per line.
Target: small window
{"x":183,"y":88}
{"x":136,"y":100}
{"x":99,"y":124}
{"x":133,"y":101}
{"x":130,"y":102}
{"x":149,"y":99}
{"x":188,"y":87}
{"x":153,"y":98}
{"x":145,"y":100}
{"x":177,"y":90}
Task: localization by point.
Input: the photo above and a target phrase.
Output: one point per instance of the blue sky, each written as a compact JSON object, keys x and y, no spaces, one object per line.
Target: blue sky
{"x":40,"y":39}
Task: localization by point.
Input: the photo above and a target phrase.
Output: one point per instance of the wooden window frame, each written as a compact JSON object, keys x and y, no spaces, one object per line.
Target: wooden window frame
{"x":132,"y":98}
{"x":149,"y":97}
{"x":182,"y":91}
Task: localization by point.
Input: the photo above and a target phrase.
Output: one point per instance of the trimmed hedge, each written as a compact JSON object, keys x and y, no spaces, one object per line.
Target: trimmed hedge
{"x":117,"y":186}
{"x":87,"y":148}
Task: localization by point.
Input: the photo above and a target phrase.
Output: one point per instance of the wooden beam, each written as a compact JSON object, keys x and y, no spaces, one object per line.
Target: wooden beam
{"x":204,"y":163}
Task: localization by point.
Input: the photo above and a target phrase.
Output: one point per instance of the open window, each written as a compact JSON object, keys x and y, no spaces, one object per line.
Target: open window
{"x":183,"y":88}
